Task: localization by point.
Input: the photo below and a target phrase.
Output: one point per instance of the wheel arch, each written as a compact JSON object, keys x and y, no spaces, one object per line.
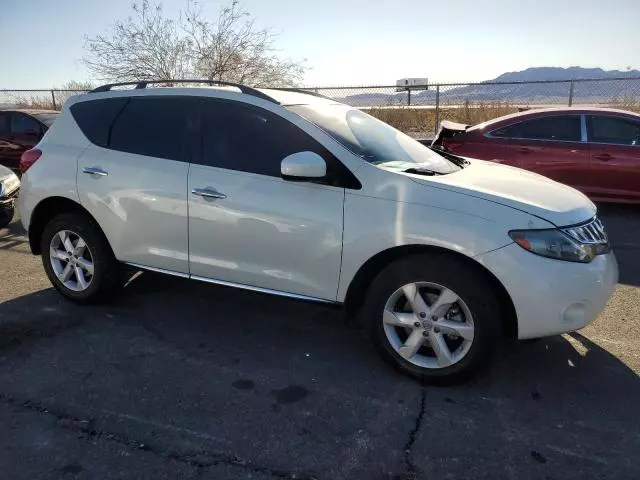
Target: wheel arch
{"x":45,"y":211}
{"x":356,"y":292}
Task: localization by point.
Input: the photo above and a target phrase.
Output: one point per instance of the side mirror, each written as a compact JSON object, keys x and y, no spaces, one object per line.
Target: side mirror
{"x":303,"y":166}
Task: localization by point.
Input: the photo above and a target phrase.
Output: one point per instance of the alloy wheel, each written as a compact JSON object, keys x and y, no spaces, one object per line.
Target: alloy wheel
{"x":428,"y":325}
{"x":71,"y":260}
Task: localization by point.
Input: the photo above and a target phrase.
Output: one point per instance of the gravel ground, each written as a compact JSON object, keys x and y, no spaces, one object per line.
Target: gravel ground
{"x":178,"y":379}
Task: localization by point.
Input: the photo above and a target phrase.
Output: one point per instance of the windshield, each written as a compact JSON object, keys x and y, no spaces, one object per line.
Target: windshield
{"x":46,"y":118}
{"x":373,"y":140}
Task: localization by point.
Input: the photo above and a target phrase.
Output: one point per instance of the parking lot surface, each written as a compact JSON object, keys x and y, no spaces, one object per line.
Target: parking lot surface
{"x":178,"y":379}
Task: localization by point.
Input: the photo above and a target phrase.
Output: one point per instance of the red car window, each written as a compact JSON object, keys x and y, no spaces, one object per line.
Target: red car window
{"x":614,"y":130}
{"x":22,"y":124}
{"x":557,"y":127}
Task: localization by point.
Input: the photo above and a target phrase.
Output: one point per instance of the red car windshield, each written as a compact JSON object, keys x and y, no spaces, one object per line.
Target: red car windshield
{"x":46,"y":118}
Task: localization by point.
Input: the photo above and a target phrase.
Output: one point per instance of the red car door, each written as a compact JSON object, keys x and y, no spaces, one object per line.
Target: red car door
{"x":615,"y":157}
{"x":550,"y":145}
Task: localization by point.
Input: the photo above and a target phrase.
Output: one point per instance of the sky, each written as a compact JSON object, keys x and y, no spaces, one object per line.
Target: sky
{"x":352,"y":42}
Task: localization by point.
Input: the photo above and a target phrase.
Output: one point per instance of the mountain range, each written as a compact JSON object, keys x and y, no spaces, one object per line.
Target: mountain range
{"x":494,"y":91}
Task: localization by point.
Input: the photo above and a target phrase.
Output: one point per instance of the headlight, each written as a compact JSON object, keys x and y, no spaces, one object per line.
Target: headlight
{"x":9,"y":184}
{"x":555,"y":243}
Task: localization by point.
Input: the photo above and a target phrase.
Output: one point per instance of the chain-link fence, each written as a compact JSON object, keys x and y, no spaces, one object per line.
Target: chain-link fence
{"x":40,"y":99}
{"x":420,"y":110}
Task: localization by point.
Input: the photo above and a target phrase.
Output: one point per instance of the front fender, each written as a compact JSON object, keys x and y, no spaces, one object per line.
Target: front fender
{"x":405,"y":213}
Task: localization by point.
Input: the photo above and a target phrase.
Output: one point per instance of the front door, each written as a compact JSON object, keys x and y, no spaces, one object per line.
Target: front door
{"x":247,"y":225}
{"x":551,"y":146}
{"x":135,"y":184}
{"x":615,"y":156}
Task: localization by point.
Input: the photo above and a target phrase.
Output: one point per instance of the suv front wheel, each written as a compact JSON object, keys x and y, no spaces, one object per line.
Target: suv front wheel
{"x":78,"y":259}
{"x":433,"y":317}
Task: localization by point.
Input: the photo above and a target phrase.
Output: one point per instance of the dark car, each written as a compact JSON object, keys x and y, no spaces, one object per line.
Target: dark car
{"x":595,"y":150}
{"x":21,"y":130}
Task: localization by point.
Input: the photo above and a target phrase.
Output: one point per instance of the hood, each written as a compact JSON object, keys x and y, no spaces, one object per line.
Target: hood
{"x":516,"y":188}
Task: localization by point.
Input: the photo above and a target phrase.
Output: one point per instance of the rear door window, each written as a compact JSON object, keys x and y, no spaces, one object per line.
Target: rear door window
{"x":564,"y":128}
{"x":155,"y":126}
{"x":613,"y":130}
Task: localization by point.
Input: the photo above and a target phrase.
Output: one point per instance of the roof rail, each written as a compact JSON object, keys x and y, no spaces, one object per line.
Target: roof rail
{"x":302,"y":90}
{"x":143,"y":84}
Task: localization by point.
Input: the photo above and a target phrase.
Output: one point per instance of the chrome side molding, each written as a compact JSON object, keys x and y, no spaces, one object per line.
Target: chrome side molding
{"x":159,"y":270}
{"x":233,"y":284}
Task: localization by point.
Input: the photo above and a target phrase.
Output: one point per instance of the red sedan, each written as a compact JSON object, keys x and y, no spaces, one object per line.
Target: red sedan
{"x":595,"y":150}
{"x":20,"y":130}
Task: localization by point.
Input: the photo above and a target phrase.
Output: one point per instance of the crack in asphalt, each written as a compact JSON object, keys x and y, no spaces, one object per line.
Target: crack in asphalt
{"x":199,"y":459}
{"x":411,"y":471}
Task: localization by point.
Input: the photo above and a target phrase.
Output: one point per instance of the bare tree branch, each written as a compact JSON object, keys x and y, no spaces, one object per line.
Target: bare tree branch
{"x":152,"y":46}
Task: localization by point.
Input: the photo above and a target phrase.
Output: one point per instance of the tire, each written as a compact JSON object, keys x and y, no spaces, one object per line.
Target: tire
{"x":105,"y":280}
{"x":470,"y":344}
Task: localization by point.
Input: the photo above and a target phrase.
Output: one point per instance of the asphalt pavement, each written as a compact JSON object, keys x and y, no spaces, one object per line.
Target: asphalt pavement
{"x":178,"y":379}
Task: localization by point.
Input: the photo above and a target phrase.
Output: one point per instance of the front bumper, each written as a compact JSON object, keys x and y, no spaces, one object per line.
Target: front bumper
{"x":552,"y":296}
{"x":7,"y":206}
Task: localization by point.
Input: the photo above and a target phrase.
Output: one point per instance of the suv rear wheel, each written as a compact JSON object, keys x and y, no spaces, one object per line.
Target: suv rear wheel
{"x":78,"y":259}
{"x":433,"y":317}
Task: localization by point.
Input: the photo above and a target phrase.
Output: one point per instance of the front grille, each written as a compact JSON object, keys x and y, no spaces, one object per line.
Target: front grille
{"x":591,"y":232}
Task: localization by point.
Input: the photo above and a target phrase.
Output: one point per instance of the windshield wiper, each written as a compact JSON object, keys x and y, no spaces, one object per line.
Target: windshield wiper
{"x":421,"y":171}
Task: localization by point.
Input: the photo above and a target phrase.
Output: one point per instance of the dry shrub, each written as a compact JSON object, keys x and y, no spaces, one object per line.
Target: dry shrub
{"x":422,"y":121}
{"x":43,"y":99}
{"x":474,"y":113}
{"x":629,"y":103}
{"x":36,"y":102}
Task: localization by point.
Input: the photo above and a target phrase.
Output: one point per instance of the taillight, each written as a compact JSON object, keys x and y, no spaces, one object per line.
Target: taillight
{"x":28,"y":158}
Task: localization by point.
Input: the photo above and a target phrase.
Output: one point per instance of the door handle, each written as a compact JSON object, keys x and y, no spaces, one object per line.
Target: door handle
{"x":525,"y":150}
{"x":605,"y":157}
{"x":208,"y":193}
{"x":94,"y":171}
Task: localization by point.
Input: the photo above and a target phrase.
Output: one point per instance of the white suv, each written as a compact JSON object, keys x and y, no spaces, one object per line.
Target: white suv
{"x":290,"y":193}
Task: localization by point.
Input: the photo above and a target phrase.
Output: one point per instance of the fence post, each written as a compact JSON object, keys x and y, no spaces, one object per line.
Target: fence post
{"x":408,"y":97}
{"x":435,"y":128}
{"x":571,"y":93}
{"x":53,"y":100}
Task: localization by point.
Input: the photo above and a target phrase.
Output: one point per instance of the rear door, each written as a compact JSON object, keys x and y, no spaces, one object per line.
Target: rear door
{"x":551,"y":146}
{"x":133,"y":178}
{"x":615,"y":156}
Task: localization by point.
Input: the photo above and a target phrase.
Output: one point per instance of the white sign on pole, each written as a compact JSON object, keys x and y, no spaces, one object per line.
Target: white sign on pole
{"x":405,"y":84}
